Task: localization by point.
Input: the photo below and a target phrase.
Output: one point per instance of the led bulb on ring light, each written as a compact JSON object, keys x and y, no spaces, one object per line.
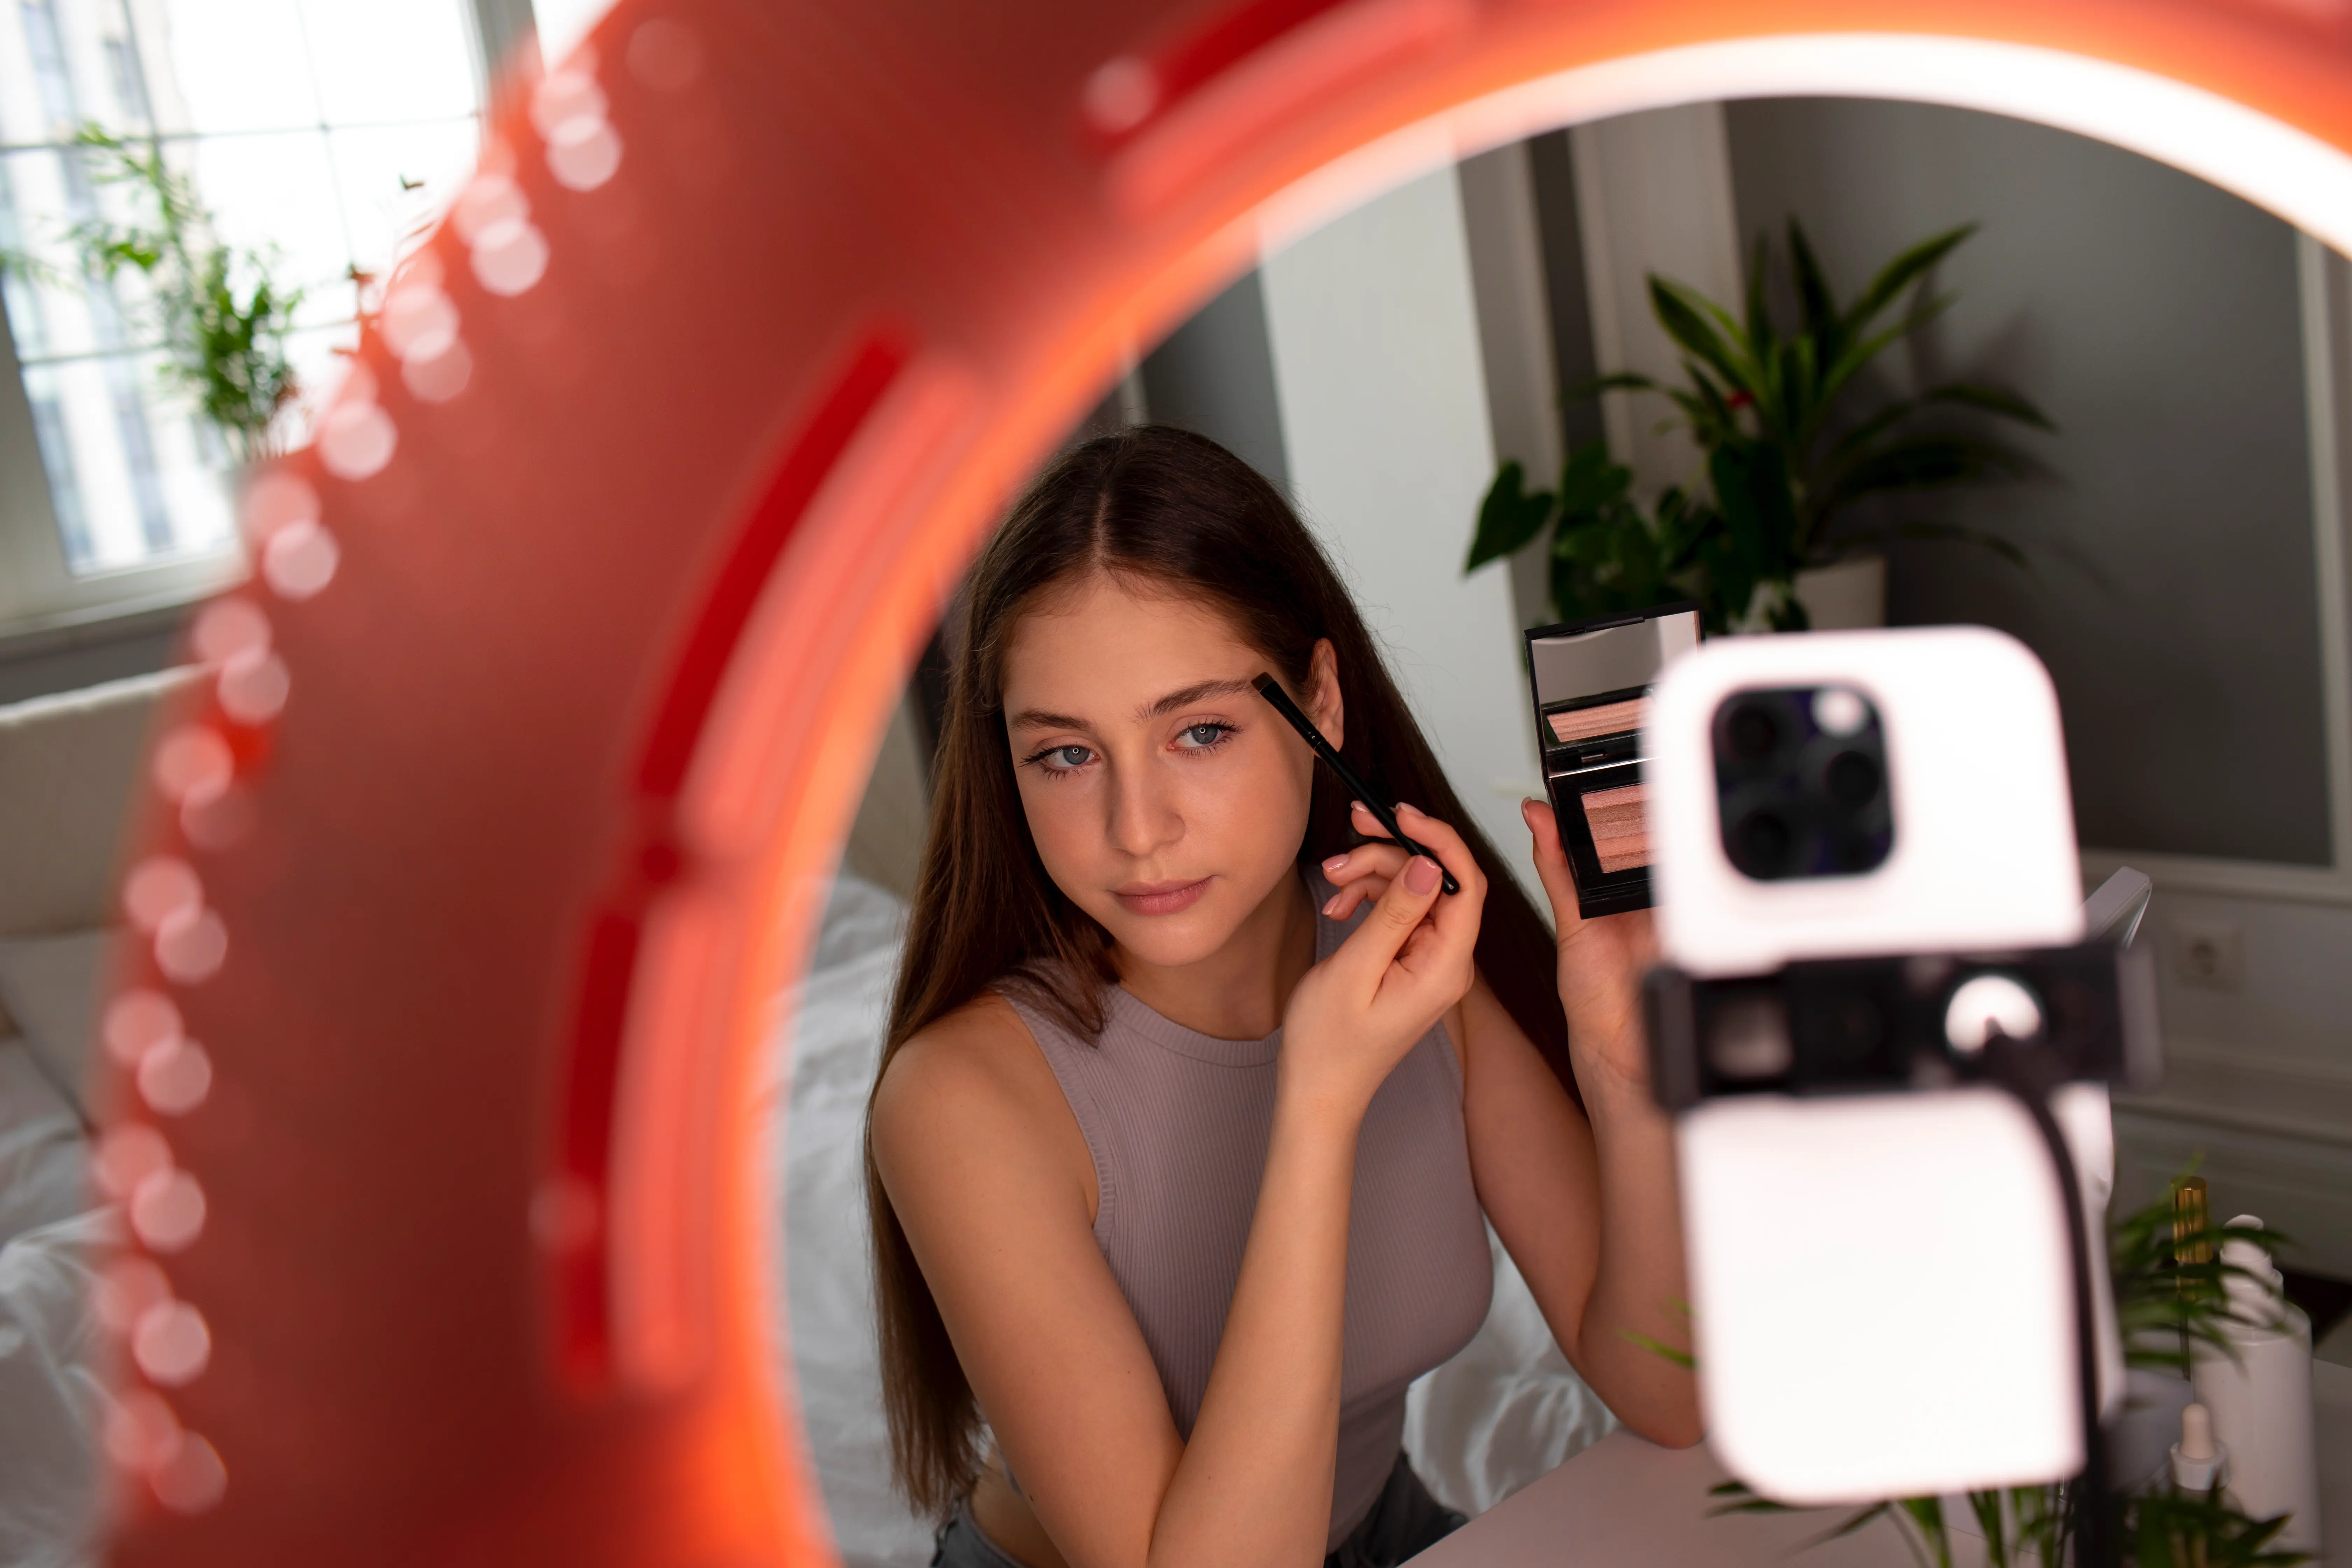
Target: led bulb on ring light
{"x":1121,"y":94}
{"x":127,"y":1156}
{"x":582,"y":154}
{"x":356,"y":438}
{"x":226,"y":627}
{"x":439,"y":379}
{"x":665,"y":54}
{"x":190,"y":945}
{"x":302,"y":557}
{"x":167,"y":1211}
{"x":509,"y":256}
{"x":252,"y":688}
{"x":193,"y":1479}
{"x":489,"y":198}
{"x":158,"y":888}
{"x":171,"y":1344}
{"x":273,"y":500}
{"x":568,"y":94}
{"x":140,"y":1433}
{"x":136,"y":1023}
{"x":130,"y":1286}
{"x":193,"y":766}
{"x":418,"y":320}
{"x":175,"y":1077}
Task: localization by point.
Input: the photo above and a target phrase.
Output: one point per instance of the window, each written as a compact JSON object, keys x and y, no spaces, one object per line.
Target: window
{"x":317,"y":132}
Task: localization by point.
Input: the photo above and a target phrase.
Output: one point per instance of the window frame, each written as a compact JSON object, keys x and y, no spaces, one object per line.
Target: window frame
{"x":39,"y":596}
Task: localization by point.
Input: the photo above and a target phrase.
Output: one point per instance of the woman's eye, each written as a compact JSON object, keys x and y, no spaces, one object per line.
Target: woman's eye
{"x":1205,"y":735}
{"x":1062,"y":757}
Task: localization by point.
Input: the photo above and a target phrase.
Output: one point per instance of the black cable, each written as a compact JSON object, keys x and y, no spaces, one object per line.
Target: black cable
{"x":2032,"y":1076}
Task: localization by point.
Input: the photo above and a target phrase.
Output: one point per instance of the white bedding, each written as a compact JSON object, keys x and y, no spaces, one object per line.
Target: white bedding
{"x":1500,"y":1413}
{"x":49,"y":1398}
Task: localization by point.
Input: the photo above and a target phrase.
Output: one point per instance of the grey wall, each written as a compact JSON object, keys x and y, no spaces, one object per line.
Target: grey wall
{"x":1215,"y":375}
{"x":2156,"y":319}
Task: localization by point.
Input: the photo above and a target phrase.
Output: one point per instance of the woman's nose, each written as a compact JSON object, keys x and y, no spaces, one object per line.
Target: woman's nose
{"x":1143,"y":817}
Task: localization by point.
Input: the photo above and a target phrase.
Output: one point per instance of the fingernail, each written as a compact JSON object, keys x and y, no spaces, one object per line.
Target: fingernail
{"x":1404,"y":805}
{"x":1422,"y":875}
{"x":1359,"y":806}
{"x":1329,"y":904}
{"x":1334,"y":863}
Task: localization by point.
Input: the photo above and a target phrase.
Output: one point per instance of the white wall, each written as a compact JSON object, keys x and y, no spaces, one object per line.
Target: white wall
{"x":1383,"y":407}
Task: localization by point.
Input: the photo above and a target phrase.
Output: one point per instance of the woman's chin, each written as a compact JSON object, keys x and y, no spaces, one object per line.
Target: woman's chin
{"x":1178,"y":939}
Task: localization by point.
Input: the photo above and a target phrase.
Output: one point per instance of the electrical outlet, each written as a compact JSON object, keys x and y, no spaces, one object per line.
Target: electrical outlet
{"x":2208,"y":955}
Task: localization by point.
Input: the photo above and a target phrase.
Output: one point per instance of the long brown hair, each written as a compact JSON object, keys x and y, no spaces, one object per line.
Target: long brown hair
{"x":1176,"y":513}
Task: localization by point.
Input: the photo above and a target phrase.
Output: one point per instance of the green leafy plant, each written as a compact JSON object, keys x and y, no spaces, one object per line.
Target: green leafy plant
{"x":2171,"y":1293}
{"x":1785,"y":454}
{"x":221,"y":319}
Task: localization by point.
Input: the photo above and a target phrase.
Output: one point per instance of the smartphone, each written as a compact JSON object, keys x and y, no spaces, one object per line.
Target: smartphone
{"x":1882,"y":1292}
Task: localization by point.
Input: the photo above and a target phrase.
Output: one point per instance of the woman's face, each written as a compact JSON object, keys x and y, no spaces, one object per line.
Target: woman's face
{"x":1166,"y":798}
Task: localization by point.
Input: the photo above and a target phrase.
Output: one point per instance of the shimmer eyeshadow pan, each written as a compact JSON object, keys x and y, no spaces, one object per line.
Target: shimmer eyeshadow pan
{"x":1609,"y":718}
{"x":1621,"y":832}
{"x":1591,"y":681}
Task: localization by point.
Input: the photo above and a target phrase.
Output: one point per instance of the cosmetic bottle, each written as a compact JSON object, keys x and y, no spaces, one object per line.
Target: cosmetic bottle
{"x":2260,"y":1398}
{"x":2199,"y":1465}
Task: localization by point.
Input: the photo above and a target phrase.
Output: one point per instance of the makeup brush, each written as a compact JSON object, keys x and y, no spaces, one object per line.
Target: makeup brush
{"x":1271,"y":690}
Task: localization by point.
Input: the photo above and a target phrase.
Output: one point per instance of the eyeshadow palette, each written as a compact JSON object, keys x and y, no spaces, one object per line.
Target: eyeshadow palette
{"x":1592,"y":680}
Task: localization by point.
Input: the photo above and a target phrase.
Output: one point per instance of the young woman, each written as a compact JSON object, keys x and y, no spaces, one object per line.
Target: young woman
{"x":1195,"y":1086}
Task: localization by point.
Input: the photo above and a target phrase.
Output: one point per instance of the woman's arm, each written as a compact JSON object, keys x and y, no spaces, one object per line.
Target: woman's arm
{"x":1587,"y":1202}
{"x":973,"y":1137}
{"x":1589,"y":1212}
{"x":1588,"y":1207}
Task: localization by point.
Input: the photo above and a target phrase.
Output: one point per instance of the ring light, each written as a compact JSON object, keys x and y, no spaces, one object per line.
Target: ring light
{"x":575,"y":630}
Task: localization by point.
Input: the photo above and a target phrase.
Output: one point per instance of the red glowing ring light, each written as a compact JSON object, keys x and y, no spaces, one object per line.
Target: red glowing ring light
{"x":574,"y":630}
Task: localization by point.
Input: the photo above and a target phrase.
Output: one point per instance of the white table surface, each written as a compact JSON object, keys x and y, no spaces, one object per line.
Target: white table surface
{"x":1627,"y":1503}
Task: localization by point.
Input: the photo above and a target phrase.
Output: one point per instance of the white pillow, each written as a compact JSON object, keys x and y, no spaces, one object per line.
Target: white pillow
{"x":51,"y":1392}
{"x":43,"y":1171}
{"x":817,"y":1171}
{"x":1507,"y":1408}
{"x":50,"y":985}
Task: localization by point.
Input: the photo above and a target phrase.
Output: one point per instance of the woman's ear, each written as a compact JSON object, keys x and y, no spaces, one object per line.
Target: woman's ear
{"x":1323,"y":703}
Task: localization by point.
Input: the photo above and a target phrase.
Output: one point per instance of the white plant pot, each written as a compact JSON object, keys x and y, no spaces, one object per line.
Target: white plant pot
{"x":1846,"y":595}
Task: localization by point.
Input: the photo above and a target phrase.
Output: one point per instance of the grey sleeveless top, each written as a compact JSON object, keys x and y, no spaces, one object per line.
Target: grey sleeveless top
{"x":1178,"y":1123}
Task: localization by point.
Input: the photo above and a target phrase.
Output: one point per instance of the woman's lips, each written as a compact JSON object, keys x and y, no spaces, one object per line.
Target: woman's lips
{"x":1161,"y":898}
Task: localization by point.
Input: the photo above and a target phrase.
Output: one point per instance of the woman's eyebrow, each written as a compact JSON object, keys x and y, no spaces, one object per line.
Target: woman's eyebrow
{"x":1191,"y":694}
{"x":1038,"y":719}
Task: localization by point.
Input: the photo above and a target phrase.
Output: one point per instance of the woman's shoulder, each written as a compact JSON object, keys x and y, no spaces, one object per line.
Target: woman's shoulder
{"x":975,"y":1080}
{"x":982,"y":1048}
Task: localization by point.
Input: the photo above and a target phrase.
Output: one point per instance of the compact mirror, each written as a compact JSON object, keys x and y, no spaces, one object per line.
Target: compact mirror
{"x":1592,"y":684}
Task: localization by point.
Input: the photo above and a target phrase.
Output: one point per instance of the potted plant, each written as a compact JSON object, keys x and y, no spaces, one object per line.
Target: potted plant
{"x":221,"y":320}
{"x":1787,"y":451}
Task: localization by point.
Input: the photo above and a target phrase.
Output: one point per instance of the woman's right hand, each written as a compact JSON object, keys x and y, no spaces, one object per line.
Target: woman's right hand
{"x":1353,"y":1017}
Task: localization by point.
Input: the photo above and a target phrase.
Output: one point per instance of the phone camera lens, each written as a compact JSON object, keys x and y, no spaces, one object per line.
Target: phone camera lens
{"x":1753,"y":732}
{"x":1854,"y":852}
{"x":1760,"y":843}
{"x":1853,"y":780}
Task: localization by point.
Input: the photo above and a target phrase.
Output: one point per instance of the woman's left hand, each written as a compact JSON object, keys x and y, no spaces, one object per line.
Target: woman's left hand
{"x":1601,"y":963}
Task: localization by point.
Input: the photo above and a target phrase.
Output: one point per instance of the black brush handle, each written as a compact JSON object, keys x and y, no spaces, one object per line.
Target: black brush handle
{"x":1271,"y":690}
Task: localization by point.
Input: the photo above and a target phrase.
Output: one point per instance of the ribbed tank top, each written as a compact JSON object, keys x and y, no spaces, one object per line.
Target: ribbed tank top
{"x":1178,"y":1123}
